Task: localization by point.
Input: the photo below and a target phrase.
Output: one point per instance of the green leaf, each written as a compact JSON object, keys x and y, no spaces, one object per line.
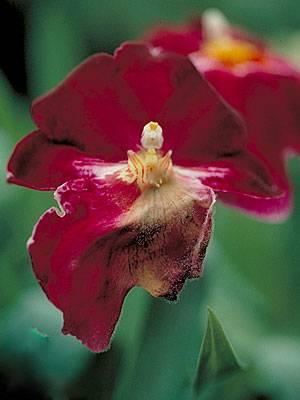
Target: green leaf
{"x":129,"y":337}
{"x":217,"y":357}
{"x":167,"y":354}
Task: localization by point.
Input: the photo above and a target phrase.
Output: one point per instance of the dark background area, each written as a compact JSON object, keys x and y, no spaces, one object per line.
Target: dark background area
{"x":12,"y":32}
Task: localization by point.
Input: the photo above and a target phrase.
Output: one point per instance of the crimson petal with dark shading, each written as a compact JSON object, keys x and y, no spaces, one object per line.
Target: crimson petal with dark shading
{"x":270,"y":104}
{"x":189,"y":37}
{"x":39,"y":162}
{"x":71,"y":258}
{"x":182,"y":39}
{"x":100,"y":109}
{"x":244,"y":183}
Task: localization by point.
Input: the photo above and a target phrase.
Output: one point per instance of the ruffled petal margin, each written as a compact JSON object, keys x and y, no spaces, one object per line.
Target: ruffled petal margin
{"x":110,"y":238}
{"x":72,"y":256}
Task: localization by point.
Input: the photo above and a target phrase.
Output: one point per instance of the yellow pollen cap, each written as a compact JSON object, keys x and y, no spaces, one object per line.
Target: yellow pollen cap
{"x":153,"y":125}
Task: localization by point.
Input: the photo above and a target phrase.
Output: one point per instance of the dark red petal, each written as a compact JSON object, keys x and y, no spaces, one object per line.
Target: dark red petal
{"x":184,"y":39}
{"x":40,"y":163}
{"x":103,"y":105}
{"x":270,"y":104}
{"x":72,"y":258}
{"x":94,"y":109}
{"x":188,"y":38}
{"x":211,"y":132}
{"x":197,"y":124}
{"x":244,"y":182}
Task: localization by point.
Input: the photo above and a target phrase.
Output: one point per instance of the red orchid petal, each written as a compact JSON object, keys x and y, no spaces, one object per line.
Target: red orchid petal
{"x":244,"y":183}
{"x":267,"y":95}
{"x":181,"y":39}
{"x":270,"y":104}
{"x":188,"y":38}
{"x":197,"y":125}
{"x":70,"y":257}
{"x":103,"y":105}
{"x":93,"y":109}
{"x":39,"y":163}
{"x":184,"y":39}
{"x":212,"y":130}
{"x":109,"y":240}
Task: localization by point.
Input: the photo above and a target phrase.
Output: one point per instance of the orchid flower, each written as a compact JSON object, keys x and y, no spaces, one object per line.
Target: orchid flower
{"x":137,"y":147}
{"x":261,"y":85}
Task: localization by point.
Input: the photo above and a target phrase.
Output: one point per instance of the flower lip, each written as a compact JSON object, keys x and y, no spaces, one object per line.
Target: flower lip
{"x":112,"y":238}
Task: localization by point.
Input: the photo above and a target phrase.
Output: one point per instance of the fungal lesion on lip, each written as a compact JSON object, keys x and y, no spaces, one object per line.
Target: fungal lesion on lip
{"x":147,"y":235}
{"x":175,"y":287}
{"x":157,"y":257}
{"x":163,"y":257}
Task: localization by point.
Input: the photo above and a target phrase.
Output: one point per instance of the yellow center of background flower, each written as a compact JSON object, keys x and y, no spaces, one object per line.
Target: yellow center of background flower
{"x":231,"y":52}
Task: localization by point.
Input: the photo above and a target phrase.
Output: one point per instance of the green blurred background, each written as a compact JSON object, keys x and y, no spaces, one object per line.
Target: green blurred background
{"x":252,"y":275}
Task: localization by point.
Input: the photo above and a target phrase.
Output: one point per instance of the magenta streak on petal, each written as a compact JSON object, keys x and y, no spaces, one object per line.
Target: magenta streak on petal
{"x":70,"y":258}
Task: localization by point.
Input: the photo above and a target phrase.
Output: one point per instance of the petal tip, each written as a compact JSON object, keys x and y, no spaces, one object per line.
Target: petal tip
{"x":94,"y":343}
